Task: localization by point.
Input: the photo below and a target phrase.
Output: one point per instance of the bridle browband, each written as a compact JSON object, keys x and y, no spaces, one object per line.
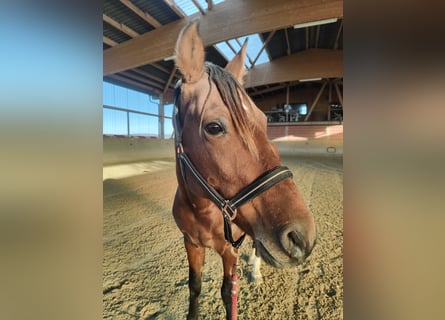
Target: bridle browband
{"x":228,"y":206}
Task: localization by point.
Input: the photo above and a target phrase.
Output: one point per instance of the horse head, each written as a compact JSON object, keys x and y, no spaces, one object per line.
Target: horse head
{"x":225,"y":136}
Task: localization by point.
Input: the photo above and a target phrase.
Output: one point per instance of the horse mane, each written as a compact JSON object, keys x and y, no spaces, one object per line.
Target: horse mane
{"x":232,"y":93}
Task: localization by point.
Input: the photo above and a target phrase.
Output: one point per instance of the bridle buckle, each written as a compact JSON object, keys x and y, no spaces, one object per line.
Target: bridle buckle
{"x":179,"y":149}
{"x":228,"y":211}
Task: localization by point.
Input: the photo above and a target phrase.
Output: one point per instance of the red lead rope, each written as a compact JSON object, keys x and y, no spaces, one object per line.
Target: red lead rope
{"x":234,"y":292}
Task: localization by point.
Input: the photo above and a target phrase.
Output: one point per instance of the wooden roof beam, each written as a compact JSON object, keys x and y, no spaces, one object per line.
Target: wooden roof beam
{"x":247,"y":54}
{"x":340,"y":98}
{"x":141,"y":79}
{"x":148,"y":75}
{"x":229,"y":19}
{"x":120,"y":26}
{"x":315,"y":101}
{"x":108,"y":41}
{"x":234,"y":51}
{"x":230,"y":46}
{"x":274,"y":88}
{"x":144,"y":15}
{"x":287,"y":42}
{"x":197,"y":5}
{"x":174,"y":8}
{"x":317,"y":36}
{"x":148,"y":84}
{"x":314,"y":63}
{"x":136,"y":83}
{"x":265,"y":43}
{"x":330,"y":90}
{"x":167,"y":86}
{"x":337,"y":38}
{"x":161,"y":68}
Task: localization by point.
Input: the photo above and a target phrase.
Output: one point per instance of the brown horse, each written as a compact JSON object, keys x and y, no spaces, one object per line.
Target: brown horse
{"x":230,"y":178}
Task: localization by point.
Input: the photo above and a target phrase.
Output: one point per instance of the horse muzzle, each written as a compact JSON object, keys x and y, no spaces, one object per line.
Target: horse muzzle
{"x":291,"y":250}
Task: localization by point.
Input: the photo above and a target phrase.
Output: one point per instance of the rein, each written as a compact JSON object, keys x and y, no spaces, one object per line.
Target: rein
{"x":234,"y":291}
{"x":228,"y":206}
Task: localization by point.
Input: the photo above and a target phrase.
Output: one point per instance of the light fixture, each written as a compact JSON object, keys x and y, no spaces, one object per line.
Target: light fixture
{"x":315,"y":23}
{"x":311,"y":79}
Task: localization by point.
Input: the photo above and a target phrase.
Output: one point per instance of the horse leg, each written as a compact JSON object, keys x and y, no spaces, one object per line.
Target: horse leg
{"x":195,"y":256}
{"x":255,"y":261}
{"x":230,"y":257}
{"x":256,"y":275}
{"x":252,"y":256}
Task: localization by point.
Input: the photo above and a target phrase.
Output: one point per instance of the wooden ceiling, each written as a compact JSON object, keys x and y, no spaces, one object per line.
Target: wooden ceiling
{"x":139,"y":38}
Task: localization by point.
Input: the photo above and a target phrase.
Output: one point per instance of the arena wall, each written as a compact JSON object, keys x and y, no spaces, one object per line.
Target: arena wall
{"x":121,"y":149}
{"x":291,"y":140}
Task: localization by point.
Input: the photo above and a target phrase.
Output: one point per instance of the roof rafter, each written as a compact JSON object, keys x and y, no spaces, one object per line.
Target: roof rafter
{"x":144,"y":15}
{"x":314,"y":103}
{"x":230,"y":46}
{"x":265,"y":43}
{"x":317,"y":36}
{"x":141,"y":79}
{"x":337,"y":38}
{"x":247,"y":54}
{"x":340,"y":98}
{"x":120,"y":26}
{"x":132,"y":78}
{"x":148,"y":75}
{"x":288,"y":51}
{"x":135,"y":83}
{"x":234,"y":51}
{"x":161,"y":68}
{"x":109,"y":41}
{"x":168,"y":85}
{"x":197,"y":5}
{"x":175,"y":8}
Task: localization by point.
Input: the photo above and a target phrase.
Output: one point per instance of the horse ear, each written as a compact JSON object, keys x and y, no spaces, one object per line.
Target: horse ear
{"x":236,"y":66}
{"x":190,"y":53}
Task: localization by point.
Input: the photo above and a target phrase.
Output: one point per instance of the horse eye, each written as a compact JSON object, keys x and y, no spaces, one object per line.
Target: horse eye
{"x":214,"y":129}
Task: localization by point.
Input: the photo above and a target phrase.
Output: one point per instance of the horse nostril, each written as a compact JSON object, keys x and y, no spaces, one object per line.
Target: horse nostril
{"x":296,"y":242}
{"x":295,"y":239}
{"x":293,"y":243}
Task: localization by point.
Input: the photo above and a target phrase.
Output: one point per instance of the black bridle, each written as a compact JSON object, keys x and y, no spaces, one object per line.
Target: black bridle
{"x":228,"y":206}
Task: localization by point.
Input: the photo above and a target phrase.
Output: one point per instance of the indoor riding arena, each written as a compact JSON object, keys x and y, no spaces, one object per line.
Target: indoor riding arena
{"x":294,"y":75}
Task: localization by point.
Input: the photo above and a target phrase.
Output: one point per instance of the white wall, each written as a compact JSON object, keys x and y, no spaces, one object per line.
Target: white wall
{"x":124,"y":150}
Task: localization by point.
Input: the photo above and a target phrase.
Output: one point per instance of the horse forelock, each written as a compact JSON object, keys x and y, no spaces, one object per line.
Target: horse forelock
{"x":233,"y":94}
{"x":234,"y":97}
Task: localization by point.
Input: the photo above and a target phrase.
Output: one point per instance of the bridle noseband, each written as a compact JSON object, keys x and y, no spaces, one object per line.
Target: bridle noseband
{"x":228,"y":206}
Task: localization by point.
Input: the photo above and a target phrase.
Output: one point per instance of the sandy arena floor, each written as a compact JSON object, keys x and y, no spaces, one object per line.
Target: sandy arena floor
{"x":145,"y":271}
